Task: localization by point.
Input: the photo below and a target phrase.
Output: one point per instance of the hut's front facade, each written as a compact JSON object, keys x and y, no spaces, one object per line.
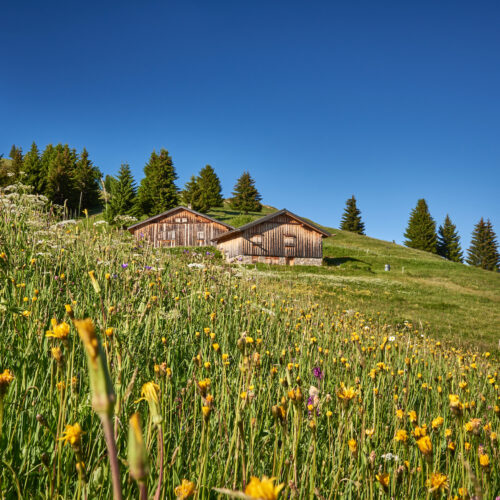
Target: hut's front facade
{"x":180,"y":226}
{"x":278,"y":238}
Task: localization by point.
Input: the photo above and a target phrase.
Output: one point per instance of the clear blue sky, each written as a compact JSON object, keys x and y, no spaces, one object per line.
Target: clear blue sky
{"x":389,"y":101}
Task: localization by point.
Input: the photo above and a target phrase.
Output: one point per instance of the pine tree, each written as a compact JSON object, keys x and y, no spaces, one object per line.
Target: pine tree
{"x":60,"y":183}
{"x":17,"y":163}
{"x":421,"y":230}
{"x":246,"y":198}
{"x":191,"y":193}
{"x":210,"y":190}
{"x":448,"y":243}
{"x":158,"y":191}
{"x":47,"y":159}
{"x":33,"y":167}
{"x":123,"y":194}
{"x":351,"y":220}
{"x":86,"y":181}
{"x":483,"y":251}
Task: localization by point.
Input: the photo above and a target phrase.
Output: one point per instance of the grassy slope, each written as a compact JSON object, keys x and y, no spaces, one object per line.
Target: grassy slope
{"x":452,"y":301}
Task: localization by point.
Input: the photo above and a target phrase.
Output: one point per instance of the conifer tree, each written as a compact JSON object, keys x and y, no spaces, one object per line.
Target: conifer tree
{"x":351,"y":220}
{"x":210,"y":190}
{"x":448,"y":243}
{"x":60,"y":183}
{"x":157,"y":191}
{"x":16,"y":165}
{"x":47,"y":158}
{"x":191,"y":193}
{"x":421,"y":230}
{"x":483,"y":251}
{"x":246,"y":198}
{"x":123,"y":194}
{"x":86,"y":181}
{"x":33,"y":168}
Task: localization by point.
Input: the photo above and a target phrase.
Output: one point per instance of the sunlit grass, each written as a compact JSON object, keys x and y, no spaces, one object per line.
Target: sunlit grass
{"x":233,"y":377}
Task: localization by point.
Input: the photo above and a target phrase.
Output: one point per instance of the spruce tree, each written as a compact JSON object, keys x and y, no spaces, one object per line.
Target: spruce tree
{"x":47,"y":159}
{"x":86,"y":182}
{"x":421,"y":230}
{"x":17,"y":163}
{"x":60,"y":183}
{"x":448,"y":243}
{"x":33,"y":168}
{"x":351,"y":220}
{"x":210,"y":190}
{"x":483,"y":251}
{"x":157,"y":191}
{"x":191,"y":193}
{"x":246,"y":198}
{"x":123,"y":194}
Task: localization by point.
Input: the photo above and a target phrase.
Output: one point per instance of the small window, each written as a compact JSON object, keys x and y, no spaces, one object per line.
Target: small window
{"x":256,"y":239}
{"x":184,"y":219}
{"x":170,"y":235}
{"x":290,"y":241}
{"x":177,"y":220}
{"x":201,"y":235}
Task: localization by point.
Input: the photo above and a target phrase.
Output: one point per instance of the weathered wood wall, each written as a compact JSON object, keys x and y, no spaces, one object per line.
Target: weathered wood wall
{"x":269,"y":239}
{"x":182,"y":228}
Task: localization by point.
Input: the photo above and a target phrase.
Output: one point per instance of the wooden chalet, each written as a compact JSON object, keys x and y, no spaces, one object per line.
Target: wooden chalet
{"x":180,"y":226}
{"x":278,"y":238}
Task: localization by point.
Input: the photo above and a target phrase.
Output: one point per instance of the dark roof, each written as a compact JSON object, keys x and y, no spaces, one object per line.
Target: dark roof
{"x":173,"y":210}
{"x":270,"y":217}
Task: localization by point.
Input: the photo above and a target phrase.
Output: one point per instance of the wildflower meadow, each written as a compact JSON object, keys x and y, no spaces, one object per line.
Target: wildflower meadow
{"x":133,"y":372}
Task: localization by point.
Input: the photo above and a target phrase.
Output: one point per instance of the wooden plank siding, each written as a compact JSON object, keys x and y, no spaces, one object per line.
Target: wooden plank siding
{"x":179,"y":228}
{"x":268,"y":240}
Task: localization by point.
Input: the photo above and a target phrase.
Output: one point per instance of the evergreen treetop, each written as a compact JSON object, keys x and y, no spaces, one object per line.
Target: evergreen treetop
{"x":210,"y":190}
{"x":448,"y":243}
{"x":123,"y":194}
{"x":86,"y":181}
{"x":191,"y":193}
{"x":157,"y":191}
{"x":246,"y":198}
{"x":33,"y":167}
{"x":351,"y":219}
{"x":421,"y":230}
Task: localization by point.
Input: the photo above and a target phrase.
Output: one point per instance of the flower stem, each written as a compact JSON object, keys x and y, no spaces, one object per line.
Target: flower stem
{"x":160,"y":472}
{"x":113,"y":458}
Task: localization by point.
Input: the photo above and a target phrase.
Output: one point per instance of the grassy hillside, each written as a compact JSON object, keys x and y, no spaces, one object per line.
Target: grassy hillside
{"x":231,"y":373}
{"x":452,"y":301}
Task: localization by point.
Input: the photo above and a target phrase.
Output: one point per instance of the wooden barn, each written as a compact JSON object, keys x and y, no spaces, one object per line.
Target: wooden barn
{"x":278,"y":238}
{"x":179,"y":226}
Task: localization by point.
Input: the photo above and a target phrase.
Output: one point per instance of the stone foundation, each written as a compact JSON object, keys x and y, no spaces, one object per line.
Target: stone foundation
{"x":280,"y":261}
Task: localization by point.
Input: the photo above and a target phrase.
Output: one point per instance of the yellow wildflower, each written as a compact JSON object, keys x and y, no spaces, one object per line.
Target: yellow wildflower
{"x":185,"y":490}
{"x":72,"y":435}
{"x":437,"y":482}
{"x":263,"y":489}
{"x":425,"y":446}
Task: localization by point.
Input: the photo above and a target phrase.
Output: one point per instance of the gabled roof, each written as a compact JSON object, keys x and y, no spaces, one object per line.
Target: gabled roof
{"x":269,"y":217}
{"x":176,"y":209}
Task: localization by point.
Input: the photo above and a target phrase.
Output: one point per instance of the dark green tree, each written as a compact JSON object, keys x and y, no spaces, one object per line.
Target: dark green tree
{"x":421,"y":230}
{"x":191,"y":193}
{"x":16,"y":164}
{"x":483,"y":251}
{"x":123,"y":194}
{"x":448,"y":243}
{"x":246,"y":198}
{"x":351,"y":219}
{"x":60,"y":177}
{"x":33,"y":168}
{"x":48,"y":157}
{"x":157,"y":191}
{"x":86,"y":178}
{"x":210,"y":190}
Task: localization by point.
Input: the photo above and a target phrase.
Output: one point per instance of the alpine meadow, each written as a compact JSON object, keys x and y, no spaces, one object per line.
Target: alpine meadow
{"x":250,"y":250}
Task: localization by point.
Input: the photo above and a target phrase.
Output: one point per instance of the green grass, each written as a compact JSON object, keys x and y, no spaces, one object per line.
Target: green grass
{"x":279,"y":360}
{"x":451,"y":301}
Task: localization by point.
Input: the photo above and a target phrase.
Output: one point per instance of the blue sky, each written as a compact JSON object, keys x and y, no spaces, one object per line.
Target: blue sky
{"x":389,"y":101}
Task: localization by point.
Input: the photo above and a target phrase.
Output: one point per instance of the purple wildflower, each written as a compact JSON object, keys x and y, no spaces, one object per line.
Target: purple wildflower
{"x":318,"y":373}
{"x":124,"y":265}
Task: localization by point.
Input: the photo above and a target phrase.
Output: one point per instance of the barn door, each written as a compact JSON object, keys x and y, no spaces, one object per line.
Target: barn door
{"x":290,"y":246}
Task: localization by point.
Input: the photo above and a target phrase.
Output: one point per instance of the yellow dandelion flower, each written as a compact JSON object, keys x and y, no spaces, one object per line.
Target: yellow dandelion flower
{"x":437,"y":482}
{"x":264,"y":488}
{"x":185,"y":490}
{"x":425,"y":446}
{"x":72,"y":435}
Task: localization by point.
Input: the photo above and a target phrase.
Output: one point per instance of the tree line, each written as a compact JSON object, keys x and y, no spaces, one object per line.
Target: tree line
{"x":158,"y":191}
{"x":69,"y":178}
{"x":421,"y":234}
{"x":59,"y":172}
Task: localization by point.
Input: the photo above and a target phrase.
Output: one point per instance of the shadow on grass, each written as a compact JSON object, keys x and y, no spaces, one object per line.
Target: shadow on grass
{"x":337,"y":261}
